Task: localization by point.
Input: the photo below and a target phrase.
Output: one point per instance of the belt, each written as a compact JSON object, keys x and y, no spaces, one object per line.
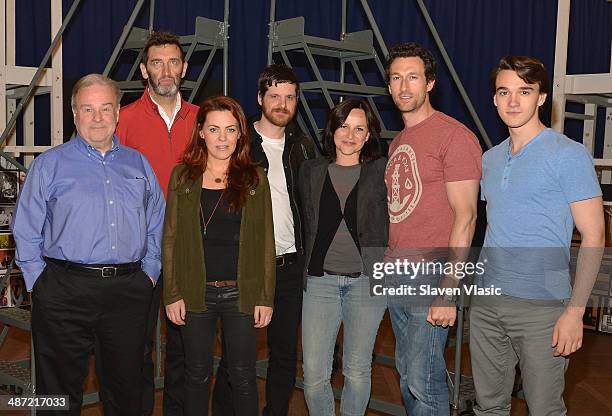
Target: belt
{"x":285,"y":259}
{"x":97,"y":270}
{"x":222,"y":283}
{"x":353,"y":275}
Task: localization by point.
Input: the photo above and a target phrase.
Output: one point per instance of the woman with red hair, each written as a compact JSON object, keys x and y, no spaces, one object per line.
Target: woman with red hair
{"x":218,"y":254}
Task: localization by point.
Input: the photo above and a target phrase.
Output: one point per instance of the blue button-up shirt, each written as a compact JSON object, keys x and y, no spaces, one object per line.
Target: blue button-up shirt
{"x":81,"y":206}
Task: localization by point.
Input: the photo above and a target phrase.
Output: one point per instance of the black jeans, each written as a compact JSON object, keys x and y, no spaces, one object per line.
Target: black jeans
{"x":174,"y":370}
{"x":69,"y":312}
{"x":198,"y":335}
{"x":282,"y":346}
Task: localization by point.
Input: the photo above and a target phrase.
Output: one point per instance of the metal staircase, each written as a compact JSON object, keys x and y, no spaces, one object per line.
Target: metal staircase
{"x":19,"y":85}
{"x":353,"y":52}
{"x":16,"y":374}
{"x":287,"y":38}
{"x":209,"y":37}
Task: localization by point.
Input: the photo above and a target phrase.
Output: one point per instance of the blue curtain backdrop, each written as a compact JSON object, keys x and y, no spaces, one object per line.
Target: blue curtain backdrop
{"x":476,"y":34}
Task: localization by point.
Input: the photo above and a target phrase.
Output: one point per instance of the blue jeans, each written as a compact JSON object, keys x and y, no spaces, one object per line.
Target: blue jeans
{"x":419,"y":358}
{"x":329,"y":301}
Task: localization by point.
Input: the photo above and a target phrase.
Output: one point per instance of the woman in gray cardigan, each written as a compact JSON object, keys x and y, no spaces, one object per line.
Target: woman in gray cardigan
{"x":344,"y":201}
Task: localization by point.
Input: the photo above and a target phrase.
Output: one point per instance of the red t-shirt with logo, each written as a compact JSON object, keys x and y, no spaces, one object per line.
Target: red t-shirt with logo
{"x":422,"y":159}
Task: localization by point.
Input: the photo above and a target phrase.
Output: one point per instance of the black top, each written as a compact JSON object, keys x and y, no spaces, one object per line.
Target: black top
{"x":221,"y":236}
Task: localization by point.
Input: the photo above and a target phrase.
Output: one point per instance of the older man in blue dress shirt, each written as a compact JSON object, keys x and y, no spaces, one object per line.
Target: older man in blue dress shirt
{"x":88,"y":227}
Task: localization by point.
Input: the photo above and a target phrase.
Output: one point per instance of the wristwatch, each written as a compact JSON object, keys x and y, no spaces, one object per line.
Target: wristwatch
{"x":449,"y":298}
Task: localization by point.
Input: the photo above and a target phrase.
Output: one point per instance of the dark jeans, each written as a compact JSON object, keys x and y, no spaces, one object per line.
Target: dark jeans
{"x":282,"y":346}
{"x":239,"y":345}
{"x":69,"y":312}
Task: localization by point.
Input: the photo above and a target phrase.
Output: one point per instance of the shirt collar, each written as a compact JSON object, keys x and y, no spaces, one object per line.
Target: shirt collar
{"x":268,"y":140}
{"x":162,"y":113}
{"x":90,"y":150}
{"x":524,"y":148}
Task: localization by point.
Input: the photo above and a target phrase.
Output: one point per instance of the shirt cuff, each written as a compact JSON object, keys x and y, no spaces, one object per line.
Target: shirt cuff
{"x":31,"y":273}
{"x":152,"y":269}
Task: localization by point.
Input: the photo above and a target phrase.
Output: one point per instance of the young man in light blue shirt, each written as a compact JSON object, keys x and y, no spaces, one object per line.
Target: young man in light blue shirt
{"x":537,"y":184}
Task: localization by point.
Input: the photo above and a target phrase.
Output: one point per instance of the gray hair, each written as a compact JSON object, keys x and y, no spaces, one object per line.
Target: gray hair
{"x":94,"y":79}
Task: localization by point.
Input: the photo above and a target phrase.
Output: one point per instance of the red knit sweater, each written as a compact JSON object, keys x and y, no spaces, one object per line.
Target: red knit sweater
{"x":142,"y":128}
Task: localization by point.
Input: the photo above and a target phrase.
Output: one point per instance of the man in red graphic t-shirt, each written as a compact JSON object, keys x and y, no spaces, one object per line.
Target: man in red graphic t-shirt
{"x":432,"y":182}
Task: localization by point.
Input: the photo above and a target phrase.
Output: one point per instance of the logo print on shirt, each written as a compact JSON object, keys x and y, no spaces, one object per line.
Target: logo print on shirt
{"x":405,"y":194}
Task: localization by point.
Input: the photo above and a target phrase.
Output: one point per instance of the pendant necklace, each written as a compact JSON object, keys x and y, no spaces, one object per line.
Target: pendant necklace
{"x":205,"y":223}
{"x":215,"y":179}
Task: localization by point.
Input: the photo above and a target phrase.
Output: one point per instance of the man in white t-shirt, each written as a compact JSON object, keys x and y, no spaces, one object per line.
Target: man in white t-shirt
{"x":280,"y":147}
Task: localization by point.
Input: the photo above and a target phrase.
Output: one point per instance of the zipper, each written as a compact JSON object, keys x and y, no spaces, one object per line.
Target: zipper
{"x":170,"y":141}
{"x":304,"y":152}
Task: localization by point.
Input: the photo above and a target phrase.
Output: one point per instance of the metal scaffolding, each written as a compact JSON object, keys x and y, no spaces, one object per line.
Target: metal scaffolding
{"x":287,"y":38}
{"x":594,"y":91}
{"x":209,"y":37}
{"x":19,"y":84}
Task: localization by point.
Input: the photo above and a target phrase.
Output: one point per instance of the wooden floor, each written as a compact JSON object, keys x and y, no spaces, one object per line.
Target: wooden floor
{"x":588,"y":380}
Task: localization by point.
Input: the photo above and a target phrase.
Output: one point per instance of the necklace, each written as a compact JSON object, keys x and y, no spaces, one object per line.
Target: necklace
{"x":215,"y":179}
{"x":206,"y":222}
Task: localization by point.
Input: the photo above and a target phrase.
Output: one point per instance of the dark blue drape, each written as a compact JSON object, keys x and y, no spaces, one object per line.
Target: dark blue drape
{"x":476,"y":34}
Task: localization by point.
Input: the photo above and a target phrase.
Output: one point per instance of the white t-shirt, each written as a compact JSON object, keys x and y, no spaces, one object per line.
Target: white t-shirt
{"x":281,"y":207}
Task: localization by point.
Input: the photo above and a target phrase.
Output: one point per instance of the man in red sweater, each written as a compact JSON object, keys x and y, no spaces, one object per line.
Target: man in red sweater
{"x":159,"y":125}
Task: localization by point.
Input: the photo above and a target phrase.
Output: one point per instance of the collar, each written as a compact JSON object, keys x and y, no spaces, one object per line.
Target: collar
{"x":150,"y":104}
{"x":266,"y":139}
{"x":177,"y":104}
{"x":291,"y":131}
{"x":85,"y":147}
{"x":521,"y":152}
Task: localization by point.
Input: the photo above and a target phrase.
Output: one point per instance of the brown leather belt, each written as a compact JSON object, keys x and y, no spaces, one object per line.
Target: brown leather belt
{"x":222,"y":283}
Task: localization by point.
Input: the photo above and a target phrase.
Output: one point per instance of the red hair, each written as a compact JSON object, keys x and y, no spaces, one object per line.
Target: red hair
{"x":241,"y":173}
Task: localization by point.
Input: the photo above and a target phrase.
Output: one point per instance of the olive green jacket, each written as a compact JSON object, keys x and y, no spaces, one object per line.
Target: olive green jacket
{"x":183,"y":252}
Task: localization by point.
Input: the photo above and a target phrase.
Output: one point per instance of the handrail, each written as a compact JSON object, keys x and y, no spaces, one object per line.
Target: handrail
{"x":29,"y":93}
{"x":124,"y":35}
{"x":453,"y":73}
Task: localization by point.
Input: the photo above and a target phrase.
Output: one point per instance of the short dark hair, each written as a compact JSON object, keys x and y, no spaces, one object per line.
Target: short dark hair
{"x":529,"y":69}
{"x":159,"y":39}
{"x":371,"y":149}
{"x":277,"y":74}
{"x":409,"y":50}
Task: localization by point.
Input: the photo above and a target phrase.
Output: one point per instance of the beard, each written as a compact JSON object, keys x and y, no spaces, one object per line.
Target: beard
{"x":278,"y":116}
{"x":165,"y":90}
